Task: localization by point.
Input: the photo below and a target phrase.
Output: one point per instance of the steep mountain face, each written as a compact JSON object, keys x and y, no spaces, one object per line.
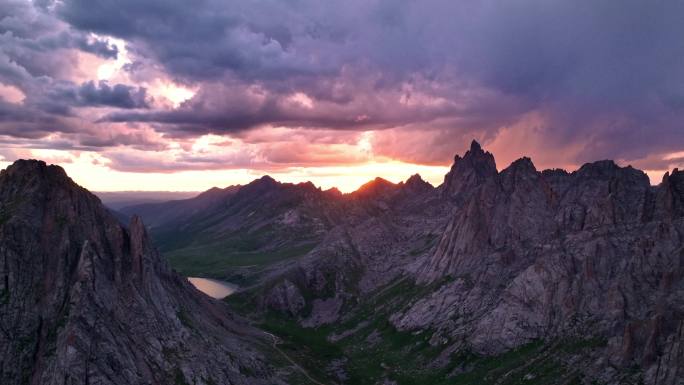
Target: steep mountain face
{"x":563,"y":277}
{"x":383,"y":230}
{"x":549,"y":255}
{"x":239,"y":231}
{"x":255,"y":229}
{"x":474,"y":168}
{"x":158,"y":213}
{"x":119,"y":199}
{"x":84,"y":300}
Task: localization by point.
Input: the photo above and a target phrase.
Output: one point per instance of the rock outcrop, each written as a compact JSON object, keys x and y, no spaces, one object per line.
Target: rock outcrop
{"x":597,"y":253}
{"x":505,"y":259}
{"x":84,"y":300}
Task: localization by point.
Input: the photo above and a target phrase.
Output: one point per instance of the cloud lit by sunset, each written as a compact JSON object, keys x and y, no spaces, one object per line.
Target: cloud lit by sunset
{"x":185,"y":95}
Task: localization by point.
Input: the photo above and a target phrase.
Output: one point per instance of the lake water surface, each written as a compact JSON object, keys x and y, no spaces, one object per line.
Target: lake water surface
{"x":213,"y":287}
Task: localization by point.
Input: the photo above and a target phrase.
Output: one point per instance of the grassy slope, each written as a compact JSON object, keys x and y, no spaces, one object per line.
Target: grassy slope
{"x":406,"y":357}
{"x":214,"y":262}
{"x":212,"y":256}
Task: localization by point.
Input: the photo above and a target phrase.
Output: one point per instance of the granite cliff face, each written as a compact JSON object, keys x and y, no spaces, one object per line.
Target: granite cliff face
{"x":84,"y":300}
{"x":549,"y":255}
{"x":584,"y":268}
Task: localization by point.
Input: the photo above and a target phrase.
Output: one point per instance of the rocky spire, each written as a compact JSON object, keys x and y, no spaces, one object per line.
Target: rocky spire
{"x":669,"y":200}
{"x":416,"y":184}
{"x":475,"y":167}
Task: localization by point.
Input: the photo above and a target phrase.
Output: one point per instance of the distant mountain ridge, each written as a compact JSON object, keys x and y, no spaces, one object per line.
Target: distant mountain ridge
{"x":118,"y":199}
{"x":222,"y":231}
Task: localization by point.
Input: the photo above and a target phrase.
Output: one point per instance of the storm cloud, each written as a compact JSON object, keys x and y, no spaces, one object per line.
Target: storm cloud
{"x":605,"y":79}
{"x":101,"y":94}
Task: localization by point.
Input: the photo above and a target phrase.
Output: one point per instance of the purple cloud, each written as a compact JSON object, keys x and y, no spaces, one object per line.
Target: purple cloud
{"x":605,"y":79}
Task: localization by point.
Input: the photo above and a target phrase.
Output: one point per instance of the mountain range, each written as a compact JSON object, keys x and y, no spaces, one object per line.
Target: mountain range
{"x":517,"y":276}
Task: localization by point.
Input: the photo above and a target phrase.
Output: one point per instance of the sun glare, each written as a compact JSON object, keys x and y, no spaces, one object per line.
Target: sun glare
{"x":110,"y":68}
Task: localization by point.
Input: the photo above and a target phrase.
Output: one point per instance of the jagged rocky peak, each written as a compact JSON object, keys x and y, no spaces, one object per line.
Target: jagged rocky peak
{"x":35,"y":175}
{"x":524,"y":163}
{"x":675,"y":180}
{"x":333,"y":191}
{"x":267,"y":184}
{"x":474,"y":168}
{"x":265,"y":180}
{"x":377,"y":186}
{"x":600,"y":169}
{"x":415,"y":179}
{"x":607,"y":171}
{"x":521,"y":168}
{"x":307,"y":187}
{"x":260,"y":186}
{"x":416,"y":184}
{"x":602,"y":193}
{"x":670,"y":195}
{"x":82,"y":297}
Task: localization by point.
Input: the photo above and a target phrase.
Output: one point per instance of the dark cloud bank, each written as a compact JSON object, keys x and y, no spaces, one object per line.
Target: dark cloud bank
{"x":605,"y":76}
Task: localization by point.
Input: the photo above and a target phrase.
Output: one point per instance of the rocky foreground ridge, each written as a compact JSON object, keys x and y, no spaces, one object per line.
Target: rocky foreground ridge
{"x":84,"y":300}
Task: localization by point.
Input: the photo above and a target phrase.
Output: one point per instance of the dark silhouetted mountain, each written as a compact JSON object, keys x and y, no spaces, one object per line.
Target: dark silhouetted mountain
{"x":254,"y":225}
{"x":120,"y":199}
{"x":243,"y":230}
{"x":159,"y":213}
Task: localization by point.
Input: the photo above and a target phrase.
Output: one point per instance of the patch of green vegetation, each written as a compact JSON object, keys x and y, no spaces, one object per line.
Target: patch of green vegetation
{"x":391,"y":298}
{"x":308,"y":346}
{"x":372,"y":349}
{"x":213,"y":261}
{"x":576,"y":345}
{"x":169,"y":353}
{"x":248,"y":371}
{"x":295,"y":377}
{"x":61,"y":221}
{"x":7,"y":211}
{"x":53,"y":331}
{"x":27,"y":341}
{"x":4,"y":297}
{"x":428,"y":242}
{"x":206,"y":247}
{"x":242,"y":302}
{"x":184,"y":318}
{"x":4,"y":215}
{"x":365,"y":364}
{"x":312,"y":349}
{"x":179,"y":377}
{"x":528,"y":364}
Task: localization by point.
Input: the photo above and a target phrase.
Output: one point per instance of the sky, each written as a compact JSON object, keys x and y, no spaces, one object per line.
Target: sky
{"x":185,"y":95}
